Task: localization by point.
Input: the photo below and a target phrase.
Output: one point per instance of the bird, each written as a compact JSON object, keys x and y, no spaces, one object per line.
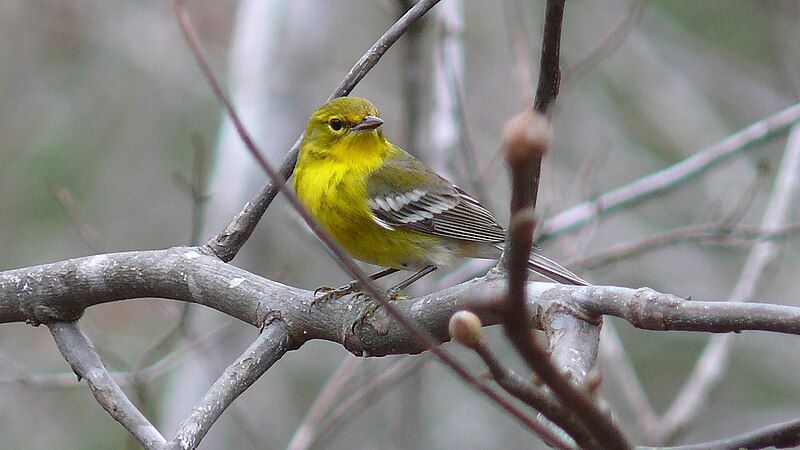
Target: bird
{"x":385,"y":207}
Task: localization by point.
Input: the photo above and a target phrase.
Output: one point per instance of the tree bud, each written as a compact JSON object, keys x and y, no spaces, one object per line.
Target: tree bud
{"x":466,"y":329}
{"x":526,"y":136}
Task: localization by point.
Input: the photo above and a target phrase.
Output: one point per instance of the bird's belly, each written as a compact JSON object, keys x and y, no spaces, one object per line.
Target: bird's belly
{"x":342,"y":210}
{"x":400,"y":249}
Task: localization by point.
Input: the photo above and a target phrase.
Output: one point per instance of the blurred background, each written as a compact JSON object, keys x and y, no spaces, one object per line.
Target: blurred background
{"x":106,"y":125}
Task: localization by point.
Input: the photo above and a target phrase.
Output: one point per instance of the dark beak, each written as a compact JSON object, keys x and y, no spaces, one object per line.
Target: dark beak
{"x":368,"y":123}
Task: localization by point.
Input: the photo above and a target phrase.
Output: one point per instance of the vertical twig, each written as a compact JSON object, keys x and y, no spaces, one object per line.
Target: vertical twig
{"x":526,"y":140}
{"x":448,"y":53}
{"x":198,"y":189}
{"x":412,"y":79}
{"x":549,"y":66}
{"x":518,"y":39}
{"x":448,"y":128}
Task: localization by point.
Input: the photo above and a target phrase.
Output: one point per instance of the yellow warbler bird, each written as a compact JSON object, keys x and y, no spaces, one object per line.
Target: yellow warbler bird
{"x":385,"y":207}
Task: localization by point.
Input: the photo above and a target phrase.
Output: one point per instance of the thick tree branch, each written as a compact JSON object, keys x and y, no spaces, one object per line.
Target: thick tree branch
{"x":81,"y":356}
{"x":62,"y":290}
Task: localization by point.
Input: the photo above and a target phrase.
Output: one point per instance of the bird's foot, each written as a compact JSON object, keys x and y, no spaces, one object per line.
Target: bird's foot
{"x":394,"y":294}
{"x":326,"y":293}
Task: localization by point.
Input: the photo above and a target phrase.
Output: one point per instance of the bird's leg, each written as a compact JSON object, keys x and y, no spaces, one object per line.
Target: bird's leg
{"x":394,"y":291}
{"x":330,"y":293}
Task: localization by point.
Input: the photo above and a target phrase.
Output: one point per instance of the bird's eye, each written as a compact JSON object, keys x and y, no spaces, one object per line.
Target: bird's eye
{"x":336,"y":124}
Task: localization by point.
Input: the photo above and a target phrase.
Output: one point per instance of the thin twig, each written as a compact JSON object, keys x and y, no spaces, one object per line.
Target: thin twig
{"x":150,"y":372}
{"x":198,"y":188}
{"x":780,"y":435}
{"x":362,"y":399}
{"x":81,"y":356}
{"x":608,"y":45}
{"x":270,"y":345}
{"x":87,"y":232}
{"x":713,"y":361}
{"x":667,"y":179}
{"x":703,"y":233}
{"x":537,"y":399}
{"x":518,"y":42}
{"x":624,"y":373}
{"x":304,"y":432}
{"x":549,"y":67}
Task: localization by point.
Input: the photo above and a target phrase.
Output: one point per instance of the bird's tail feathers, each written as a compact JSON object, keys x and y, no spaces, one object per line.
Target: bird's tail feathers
{"x":552,"y":270}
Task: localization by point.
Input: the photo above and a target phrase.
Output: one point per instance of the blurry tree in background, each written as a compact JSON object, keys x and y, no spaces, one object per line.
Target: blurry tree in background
{"x":111,"y":140}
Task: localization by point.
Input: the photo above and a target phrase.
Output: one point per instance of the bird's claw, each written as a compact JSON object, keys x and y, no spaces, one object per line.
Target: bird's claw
{"x":394,"y":294}
{"x":329,"y":293}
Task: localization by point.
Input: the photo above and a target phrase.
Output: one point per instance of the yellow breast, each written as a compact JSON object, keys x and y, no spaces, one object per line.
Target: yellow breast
{"x":336,"y":195}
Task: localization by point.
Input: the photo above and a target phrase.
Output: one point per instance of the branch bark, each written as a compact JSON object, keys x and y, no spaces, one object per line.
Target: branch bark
{"x":780,"y":435}
{"x":60,"y":291}
{"x":81,"y":356}
{"x":269,"y":347}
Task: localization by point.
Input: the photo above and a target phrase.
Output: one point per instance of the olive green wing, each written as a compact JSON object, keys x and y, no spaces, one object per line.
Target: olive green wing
{"x":406,"y":194}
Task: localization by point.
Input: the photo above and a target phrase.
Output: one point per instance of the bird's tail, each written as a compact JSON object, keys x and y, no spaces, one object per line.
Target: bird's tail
{"x":552,"y":270}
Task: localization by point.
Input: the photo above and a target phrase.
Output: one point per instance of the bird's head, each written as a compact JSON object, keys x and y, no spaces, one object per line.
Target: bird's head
{"x":344,"y":127}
